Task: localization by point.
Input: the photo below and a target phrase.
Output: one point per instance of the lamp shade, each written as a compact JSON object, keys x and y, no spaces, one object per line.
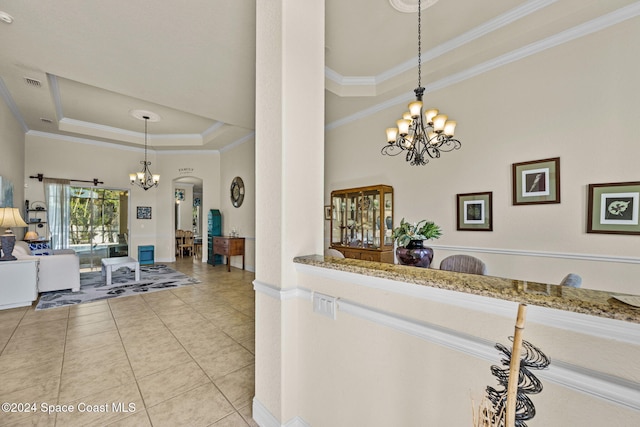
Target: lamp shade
{"x":31,"y":235}
{"x":10,"y":217}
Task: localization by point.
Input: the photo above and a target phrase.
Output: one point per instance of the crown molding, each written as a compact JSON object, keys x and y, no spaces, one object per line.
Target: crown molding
{"x":239,"y":142}
{"x":490,"y":26}
{"x":587,"y":28}
{"x":8,"y":99}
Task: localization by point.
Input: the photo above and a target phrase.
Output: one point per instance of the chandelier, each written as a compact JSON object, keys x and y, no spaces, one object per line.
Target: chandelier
{"x":421,"y":135}
{"x":145,"y":179}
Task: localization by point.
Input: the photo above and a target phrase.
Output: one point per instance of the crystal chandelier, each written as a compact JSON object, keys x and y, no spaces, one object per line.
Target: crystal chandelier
{"x":421,"y":135}
{"x":145,"y":179}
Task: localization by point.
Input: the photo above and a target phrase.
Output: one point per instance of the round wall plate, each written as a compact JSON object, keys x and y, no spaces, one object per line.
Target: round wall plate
{"x":237,"y":191}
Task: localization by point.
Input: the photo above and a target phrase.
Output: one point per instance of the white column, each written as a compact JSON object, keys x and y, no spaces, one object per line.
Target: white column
{"x":289,"y":182}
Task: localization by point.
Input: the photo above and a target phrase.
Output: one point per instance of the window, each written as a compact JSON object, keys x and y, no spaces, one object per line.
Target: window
{"x":99,"y":224}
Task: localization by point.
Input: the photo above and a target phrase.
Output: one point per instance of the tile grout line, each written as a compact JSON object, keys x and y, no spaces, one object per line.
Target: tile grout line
{"x":129,"y":361}
{"x":226,"y":301}
{"x":194,"y":359}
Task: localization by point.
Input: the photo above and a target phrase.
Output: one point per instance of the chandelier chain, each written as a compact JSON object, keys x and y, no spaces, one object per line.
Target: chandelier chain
{"x":419,"y":45}
{"x":421,"y":135}
{"x":145,"y":179}
{"x":146,"y":120}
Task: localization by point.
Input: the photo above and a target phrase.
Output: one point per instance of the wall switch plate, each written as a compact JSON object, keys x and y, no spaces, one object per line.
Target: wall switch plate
{"x":324,"y":305}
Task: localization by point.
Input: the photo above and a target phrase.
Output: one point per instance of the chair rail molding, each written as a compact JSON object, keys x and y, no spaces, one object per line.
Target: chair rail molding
{"x":610,"y":388}
{"x":543,"y":254}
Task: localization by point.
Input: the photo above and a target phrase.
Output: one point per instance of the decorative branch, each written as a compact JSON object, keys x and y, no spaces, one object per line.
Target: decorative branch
{"x":511,"y":405}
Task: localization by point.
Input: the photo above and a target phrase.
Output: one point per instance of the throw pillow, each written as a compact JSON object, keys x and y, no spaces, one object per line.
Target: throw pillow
{"x":39,"y":249}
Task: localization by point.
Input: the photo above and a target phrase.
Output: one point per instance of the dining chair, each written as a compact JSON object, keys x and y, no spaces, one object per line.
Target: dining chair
{"x":187,"y":244}
{"x":572,"y":279}
{"x":333,"y":252}
{"x":179,"y":240}
{"x":463,"y":264}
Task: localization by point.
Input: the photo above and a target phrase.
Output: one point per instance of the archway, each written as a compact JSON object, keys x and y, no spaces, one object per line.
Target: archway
{"x":187,"y":212}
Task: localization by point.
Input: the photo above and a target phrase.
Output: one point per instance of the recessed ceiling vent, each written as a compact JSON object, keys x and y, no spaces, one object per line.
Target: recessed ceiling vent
{"x":32,"y":82}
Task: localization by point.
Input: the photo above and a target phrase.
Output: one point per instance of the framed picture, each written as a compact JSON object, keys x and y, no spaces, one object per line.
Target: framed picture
{"x":144,"y":212}
{"x":475,"y":211}
{"x":536,"y":182}
{"x":327,"y":212}
{"x":6,"y":193}
{"x":613,"y":208}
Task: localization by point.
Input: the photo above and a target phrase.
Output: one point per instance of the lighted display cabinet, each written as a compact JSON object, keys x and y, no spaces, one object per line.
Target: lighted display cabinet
{"x":362,"y":222}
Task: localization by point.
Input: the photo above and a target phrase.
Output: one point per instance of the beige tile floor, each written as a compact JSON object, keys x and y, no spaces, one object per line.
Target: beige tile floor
{"x":182,"y":357}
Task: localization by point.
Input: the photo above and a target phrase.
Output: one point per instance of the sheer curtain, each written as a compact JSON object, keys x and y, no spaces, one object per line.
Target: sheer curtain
{"x":57,"y":193}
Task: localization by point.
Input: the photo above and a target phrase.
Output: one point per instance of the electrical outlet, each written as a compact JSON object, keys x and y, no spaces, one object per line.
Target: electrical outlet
{"x":324,"y":305}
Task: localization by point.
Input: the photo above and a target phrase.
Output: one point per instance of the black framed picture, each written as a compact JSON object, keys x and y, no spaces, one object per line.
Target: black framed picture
{"x":475,"y":211}
{"x":536,"y":182}
{"x":613,"y":208}
{"x":144,"y":212}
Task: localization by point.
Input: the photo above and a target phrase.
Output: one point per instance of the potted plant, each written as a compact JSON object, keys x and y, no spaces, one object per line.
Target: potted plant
{"x":410,"y":242}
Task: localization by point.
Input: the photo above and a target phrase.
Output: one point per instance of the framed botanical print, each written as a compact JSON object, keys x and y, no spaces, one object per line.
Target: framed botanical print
{"x":536,"y":182}
{"x":613,"y":208}
{"x":144,"y":212}
{"x":475,"y":211}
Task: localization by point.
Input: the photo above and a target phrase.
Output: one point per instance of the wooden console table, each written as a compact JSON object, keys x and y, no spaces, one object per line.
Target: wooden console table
{"x":229,"y":246}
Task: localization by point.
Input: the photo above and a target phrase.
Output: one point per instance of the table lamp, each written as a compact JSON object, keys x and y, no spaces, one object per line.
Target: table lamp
{"x":9,"y":217}
{"x":31,"y":235}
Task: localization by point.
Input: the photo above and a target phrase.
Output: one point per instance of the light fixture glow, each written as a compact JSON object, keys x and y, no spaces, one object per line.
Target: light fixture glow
{"x":421,"y":136}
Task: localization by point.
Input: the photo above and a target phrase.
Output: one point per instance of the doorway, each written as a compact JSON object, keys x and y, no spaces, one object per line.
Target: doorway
{"x":188,"y":193}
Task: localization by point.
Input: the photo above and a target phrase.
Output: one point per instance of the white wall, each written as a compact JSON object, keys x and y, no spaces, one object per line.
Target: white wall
{"x":240,"y":161}
{"x":575,"y":101}
{"x":12,"y":157}
{"x":83,"y":159}
{"x":399,"y":354}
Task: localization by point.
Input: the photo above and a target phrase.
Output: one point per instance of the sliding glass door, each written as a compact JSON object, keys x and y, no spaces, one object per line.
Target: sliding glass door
{"x":99,"y":224}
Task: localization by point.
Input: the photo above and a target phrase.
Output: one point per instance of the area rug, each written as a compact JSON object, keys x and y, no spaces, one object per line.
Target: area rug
{"x":153,"y":278}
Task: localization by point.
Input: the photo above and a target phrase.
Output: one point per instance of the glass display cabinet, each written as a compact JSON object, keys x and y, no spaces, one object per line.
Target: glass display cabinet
{"x":362,"y":222}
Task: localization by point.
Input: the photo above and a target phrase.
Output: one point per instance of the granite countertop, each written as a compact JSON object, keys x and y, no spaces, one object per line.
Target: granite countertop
{"x":579,"y":300}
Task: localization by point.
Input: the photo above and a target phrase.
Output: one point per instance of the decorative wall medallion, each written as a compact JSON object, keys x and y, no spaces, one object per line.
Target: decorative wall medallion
{"x":237,"y":192}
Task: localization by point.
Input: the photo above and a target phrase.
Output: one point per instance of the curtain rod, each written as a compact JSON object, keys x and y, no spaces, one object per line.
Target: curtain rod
{"x":40,"y":177}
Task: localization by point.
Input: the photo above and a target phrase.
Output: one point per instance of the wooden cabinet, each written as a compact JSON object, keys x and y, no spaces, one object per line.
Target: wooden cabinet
{"x":19,"y":283}
{"x":229,"y":246}
{"x":362,"y":222}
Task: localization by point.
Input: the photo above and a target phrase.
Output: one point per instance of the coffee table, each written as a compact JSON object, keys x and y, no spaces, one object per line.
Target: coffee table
{"x":111,"y":264}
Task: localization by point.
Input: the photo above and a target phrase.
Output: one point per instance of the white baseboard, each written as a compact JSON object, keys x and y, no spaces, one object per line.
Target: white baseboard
{"x":264,"y":418}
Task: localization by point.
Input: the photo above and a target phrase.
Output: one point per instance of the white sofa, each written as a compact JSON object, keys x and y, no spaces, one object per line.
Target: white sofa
{"x":58,"y":271}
